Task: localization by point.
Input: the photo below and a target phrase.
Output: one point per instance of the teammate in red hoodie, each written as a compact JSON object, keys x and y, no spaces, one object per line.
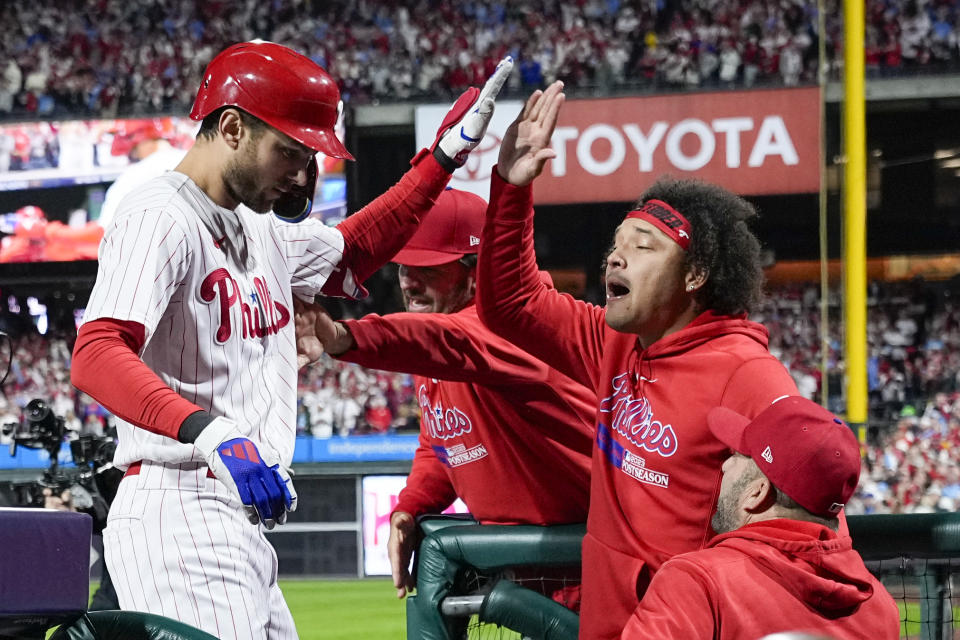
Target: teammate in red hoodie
{"x":778,"y":563}
{"x":672,"y":343}
{"x":500,"y":429}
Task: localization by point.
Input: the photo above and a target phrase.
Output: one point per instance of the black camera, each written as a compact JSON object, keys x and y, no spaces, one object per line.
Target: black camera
{"x":40,"y":428}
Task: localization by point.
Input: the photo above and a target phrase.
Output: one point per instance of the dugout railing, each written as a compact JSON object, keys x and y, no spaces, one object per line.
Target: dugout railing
{"x":466,"y":586}
{"x":467,"y":579}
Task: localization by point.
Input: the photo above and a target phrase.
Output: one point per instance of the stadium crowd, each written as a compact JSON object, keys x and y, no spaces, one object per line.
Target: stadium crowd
{"x":912,"y":464}
{"x":108,"y":57}
{"x":911,"y":460}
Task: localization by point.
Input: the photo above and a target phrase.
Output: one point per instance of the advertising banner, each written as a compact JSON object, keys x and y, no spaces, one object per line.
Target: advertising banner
{"x":380,"y":496}
{"x":757,"y":142}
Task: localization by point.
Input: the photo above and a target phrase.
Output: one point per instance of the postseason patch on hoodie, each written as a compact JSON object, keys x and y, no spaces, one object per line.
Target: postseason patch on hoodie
{"x":458,"y":454}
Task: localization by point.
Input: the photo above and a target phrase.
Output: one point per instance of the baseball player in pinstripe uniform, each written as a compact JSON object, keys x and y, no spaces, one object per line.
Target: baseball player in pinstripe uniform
{"x":188,"y":337}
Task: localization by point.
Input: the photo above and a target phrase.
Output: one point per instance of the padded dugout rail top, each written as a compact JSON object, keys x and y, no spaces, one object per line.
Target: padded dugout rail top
{"x":498,"y":546}
{"x":44,"y":568}
{"x":128,"y":625}
{"x":915,"y":534}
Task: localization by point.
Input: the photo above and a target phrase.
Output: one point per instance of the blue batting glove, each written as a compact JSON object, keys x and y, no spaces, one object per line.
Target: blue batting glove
{"x":258,"y":480}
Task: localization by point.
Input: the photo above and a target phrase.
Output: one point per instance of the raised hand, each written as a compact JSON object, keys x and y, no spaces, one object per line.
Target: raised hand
{"x":526,"y":144}
{"x":466,"y":123}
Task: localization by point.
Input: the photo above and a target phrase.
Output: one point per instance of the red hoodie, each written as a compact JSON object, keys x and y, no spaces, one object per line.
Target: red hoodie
{"x":656,"y":467}
{"x":500,"y":429}
{"x":767,"y":577}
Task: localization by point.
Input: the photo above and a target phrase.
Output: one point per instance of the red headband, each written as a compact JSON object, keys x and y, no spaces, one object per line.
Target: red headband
{"x":667,"y":219}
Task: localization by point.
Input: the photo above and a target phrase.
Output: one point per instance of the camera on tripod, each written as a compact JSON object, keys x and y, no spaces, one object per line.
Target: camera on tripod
{"x":40,"y":428}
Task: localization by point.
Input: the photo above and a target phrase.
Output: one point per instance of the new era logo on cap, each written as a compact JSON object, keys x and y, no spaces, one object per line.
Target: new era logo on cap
{"x":448,"y":232}
{"x":767,"y":455}
{"x":818,"y":463}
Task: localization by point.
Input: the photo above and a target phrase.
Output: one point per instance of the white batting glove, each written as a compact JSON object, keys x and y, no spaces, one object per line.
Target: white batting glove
{"x":466,"y":123}
{"x":262,"y":484}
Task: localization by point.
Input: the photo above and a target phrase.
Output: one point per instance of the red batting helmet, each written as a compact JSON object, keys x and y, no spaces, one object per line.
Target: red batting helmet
{"x":286,"y":90}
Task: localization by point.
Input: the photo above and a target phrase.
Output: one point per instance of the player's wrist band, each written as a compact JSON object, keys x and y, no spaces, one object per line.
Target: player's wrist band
{"x":191,"y":427}
{"x":444,"y":160}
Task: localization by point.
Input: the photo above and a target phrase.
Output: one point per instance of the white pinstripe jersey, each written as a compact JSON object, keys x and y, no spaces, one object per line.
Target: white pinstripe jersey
{"x":219,"y":335}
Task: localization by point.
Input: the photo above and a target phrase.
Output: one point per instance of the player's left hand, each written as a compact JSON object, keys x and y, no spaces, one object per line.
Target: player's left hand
{"x":466,"y":123}
{"x":253,"y":473}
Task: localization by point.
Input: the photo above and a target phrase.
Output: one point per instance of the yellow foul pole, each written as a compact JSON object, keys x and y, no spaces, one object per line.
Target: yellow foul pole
{"x":824,"y":257}
{"x":855,"y":216}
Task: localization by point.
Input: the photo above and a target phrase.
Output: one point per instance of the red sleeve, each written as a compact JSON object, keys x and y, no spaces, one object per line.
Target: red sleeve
{"x":514,"y":303}
{"x":676,"y":606}
{"x":756,"y":384}
{"x":377,"y":232}
{"x":428,"y":489}
{"x":106,"y":366}
{"x":455,"y":347}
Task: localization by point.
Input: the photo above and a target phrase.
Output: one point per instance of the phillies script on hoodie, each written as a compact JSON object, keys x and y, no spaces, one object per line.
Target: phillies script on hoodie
{"x":655,"y":472}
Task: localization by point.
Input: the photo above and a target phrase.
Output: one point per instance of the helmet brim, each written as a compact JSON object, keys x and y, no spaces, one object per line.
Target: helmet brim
{"x":324,"y":141}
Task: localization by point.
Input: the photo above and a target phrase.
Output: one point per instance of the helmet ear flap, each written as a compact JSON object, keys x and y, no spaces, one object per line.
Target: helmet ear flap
{"x":296,"y":204}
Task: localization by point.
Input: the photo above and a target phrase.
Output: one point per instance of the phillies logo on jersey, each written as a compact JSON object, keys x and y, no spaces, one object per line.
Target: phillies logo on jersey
{"x":440,"y":423}
{"x":262,"y":316}
{"x":633,"y":419}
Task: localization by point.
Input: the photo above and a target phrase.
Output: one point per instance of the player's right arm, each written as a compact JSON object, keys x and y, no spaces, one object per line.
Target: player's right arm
{"x":512,"y":300}
{"x":141,"y":260}
{"x":133,"y":392}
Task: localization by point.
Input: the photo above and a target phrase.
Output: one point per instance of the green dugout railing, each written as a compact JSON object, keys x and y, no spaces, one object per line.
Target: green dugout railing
{"x":917,"y":557}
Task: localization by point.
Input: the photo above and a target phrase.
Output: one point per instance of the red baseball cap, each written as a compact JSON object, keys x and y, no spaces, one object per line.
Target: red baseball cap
{"x":449,"y":231}
{"x":806,"y":451}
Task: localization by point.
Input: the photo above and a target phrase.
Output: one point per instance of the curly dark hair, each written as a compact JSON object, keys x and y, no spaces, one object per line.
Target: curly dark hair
{"x":721,"y":244}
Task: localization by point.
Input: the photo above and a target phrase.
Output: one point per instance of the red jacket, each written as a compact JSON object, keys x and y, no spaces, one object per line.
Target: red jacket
{"x":656,"y":467}
{"x":500,"y":429}
{"x":767,"y":577}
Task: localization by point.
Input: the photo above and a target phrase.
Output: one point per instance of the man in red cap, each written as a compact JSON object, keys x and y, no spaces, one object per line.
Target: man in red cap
{"x":188,"y":336}
{"x":500,"y":429}
{"x":777,"y":563}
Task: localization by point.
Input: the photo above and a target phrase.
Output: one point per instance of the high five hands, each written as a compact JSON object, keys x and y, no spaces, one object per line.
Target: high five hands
{"x":526,"y":145}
